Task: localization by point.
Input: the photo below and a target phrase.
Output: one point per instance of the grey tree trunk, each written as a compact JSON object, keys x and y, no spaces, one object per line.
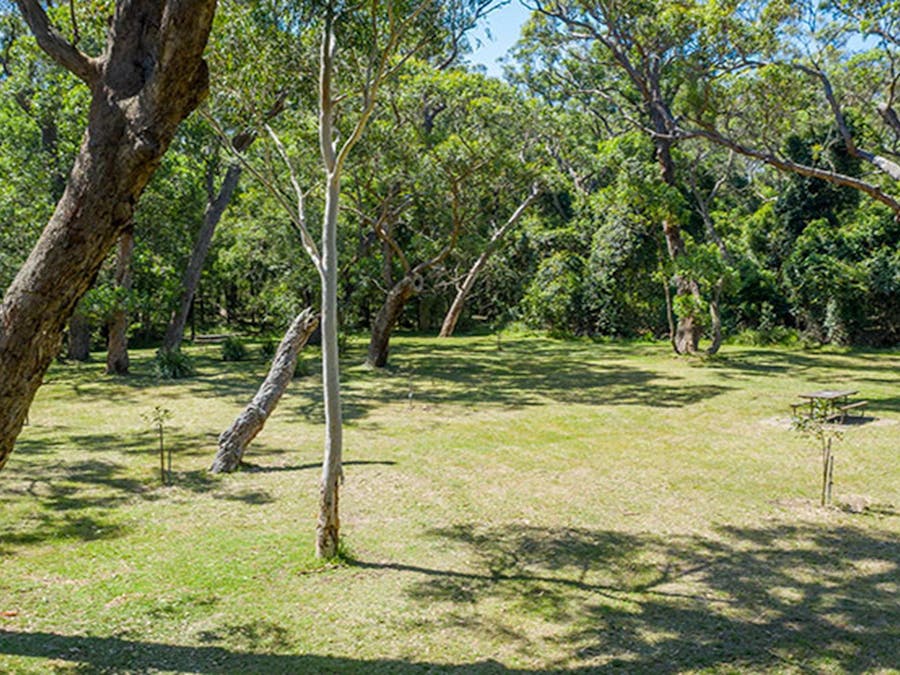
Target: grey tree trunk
{"x":79,"y":346}
{"x":117,"y":362}
{"x":150,"y":77}
{"x":715,"y":319}
{"x":234,"y":440}
{"x":452,"y":316}
{"x":387,"y":317}
{"x":215,"y":208}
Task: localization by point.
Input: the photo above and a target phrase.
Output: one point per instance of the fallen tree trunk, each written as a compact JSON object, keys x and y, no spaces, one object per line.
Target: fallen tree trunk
{"x":234,"y":440}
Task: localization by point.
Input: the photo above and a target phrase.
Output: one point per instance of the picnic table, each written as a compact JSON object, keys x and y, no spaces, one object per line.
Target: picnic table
{"x":837,"y":402}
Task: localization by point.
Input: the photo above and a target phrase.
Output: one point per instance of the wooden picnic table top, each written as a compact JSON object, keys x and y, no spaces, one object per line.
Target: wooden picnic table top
{"x":830,"y":394}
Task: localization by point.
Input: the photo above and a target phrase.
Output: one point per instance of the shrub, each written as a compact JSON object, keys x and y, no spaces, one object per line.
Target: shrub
{"x":302,"y":367}
{"x":267,"y":349}
{"x":553,"y":300}
{"x":172,"y":364}
{"x":233,"y":349}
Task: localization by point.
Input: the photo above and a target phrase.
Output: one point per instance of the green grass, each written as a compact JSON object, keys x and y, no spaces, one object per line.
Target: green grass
{"x":557,"y":506}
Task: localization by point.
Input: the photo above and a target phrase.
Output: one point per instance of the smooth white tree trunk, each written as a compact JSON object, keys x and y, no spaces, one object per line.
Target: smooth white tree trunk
{"x":328,"y":526}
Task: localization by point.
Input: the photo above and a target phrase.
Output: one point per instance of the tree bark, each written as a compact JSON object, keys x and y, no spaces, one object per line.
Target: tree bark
{"x":117,"y":362}
{"x":715,"y":319}
{"x":79,"y":347}
{"x":215,"y":208}
{"x":387,"y":317}
{"x":688,"y":330}
{"x":328,"y":524}
{"x":455,"y":310}
{"x":874,"y":191}
{"x":151,"y":76}
{"x":233,"y":441}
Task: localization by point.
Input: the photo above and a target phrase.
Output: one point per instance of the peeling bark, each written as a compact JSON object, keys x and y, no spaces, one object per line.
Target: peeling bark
{"x":233,"y":441}
{"x":151,"y":76}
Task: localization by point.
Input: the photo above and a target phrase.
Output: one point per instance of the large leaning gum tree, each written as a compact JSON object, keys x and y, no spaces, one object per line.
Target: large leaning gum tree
{"x":149,"y":77}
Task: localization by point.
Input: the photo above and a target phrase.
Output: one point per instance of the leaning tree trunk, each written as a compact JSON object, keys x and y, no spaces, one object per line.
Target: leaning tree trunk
{"x":452,"y":316}
{"x":387,"y":319}
{"x":235,"y":439}
{"x":79,"y":347}
{"x":117,"y":361}
{"x":150,"y":77}
{"x":215,"y":208}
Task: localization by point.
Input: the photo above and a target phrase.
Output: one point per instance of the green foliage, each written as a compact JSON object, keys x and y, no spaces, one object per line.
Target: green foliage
{"x":172,"y":364}
{"x":234,"y":349}
{"x":555,"y":296}
{"x":302,"y":368}
{"x":267,"y":349}
{"x":815,"y":422}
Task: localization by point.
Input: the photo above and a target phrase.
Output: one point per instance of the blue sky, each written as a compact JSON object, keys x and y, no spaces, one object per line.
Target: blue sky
{"x":504,"y":25}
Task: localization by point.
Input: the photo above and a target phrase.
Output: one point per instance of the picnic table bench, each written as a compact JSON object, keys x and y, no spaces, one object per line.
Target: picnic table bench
{"x":207,"y":339}
{"x":858,"y":406}
{"x":836,"y":401}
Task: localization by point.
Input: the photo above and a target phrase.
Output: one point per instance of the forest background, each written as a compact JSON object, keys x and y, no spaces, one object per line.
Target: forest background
{"x":713,"y":163}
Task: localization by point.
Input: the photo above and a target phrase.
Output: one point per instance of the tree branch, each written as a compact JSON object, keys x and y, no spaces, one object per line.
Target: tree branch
{"x":793,"y":167}
{"x":55,"y":45}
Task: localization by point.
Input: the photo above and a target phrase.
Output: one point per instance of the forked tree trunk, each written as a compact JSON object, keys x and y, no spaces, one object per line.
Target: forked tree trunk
{"x":151,"y":76}
{"x":687,"y":334}
{"x":689,"y":329}
{"x":79,"y":346}
{"x":215,"y":208}
{"x":455,"y":310}
{"x":117,"y":362}
{"x":387,"y":318}
{"x":234,"y":440}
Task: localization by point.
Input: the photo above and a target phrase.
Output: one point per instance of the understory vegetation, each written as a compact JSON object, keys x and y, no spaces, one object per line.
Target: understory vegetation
{"x":511,"y":504}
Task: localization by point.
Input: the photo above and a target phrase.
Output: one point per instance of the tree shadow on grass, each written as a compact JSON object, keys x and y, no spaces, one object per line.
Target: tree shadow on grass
{"x":790,"y":596}
{"x":87,"y":654}
{"x":523,"y":375}
{"x":766,"y":362}
{"x":250,"y":467}
{"x":782,"y":597}
{"x":79,"y":498}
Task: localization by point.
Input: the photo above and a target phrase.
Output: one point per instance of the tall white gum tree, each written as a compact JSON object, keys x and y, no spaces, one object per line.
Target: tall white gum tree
{"x":394,"y":35}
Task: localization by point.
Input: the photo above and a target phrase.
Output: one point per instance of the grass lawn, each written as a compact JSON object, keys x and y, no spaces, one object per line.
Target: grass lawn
{"x":554,"y":506}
